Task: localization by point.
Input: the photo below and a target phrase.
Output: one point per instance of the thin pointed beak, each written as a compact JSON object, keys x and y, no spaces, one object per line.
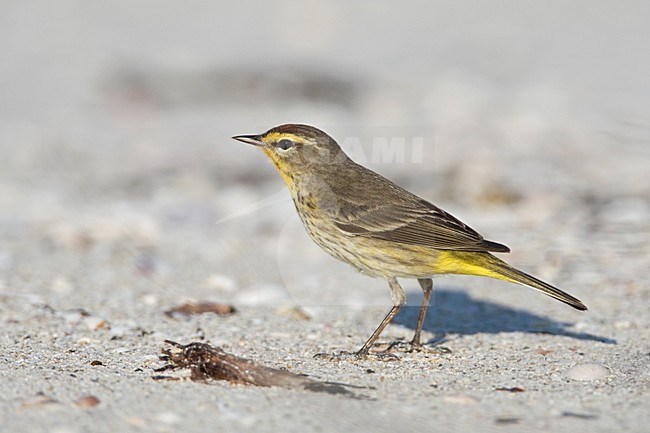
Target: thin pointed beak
{"x":250,"y":139}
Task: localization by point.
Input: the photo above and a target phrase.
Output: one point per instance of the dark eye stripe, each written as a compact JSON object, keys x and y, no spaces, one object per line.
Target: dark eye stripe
{"x":285,"y":144}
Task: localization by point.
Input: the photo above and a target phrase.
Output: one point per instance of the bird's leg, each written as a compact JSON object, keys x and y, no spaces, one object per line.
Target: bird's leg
{"x":397,"y":293}
{"x":427,"y":287}
{"x":366,"y":347}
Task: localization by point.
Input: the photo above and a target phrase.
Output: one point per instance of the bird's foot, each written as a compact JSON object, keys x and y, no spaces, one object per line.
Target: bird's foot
{"x":416,"y":346}
{"x":355,"y":356}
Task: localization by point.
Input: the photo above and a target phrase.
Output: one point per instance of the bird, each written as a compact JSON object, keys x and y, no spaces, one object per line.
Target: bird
{"x":379,"y":228}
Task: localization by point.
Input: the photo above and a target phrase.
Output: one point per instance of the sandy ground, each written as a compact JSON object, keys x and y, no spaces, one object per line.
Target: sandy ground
{"x":122,"y":196}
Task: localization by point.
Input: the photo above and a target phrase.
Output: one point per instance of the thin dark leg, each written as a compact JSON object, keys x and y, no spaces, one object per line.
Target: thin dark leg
{"x":389,"y":317}
{"x":427,"y":286}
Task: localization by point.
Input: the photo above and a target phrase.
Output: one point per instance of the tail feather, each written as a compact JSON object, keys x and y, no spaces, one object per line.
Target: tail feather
{"x":516,"y":276}
{"x":487,"y":265}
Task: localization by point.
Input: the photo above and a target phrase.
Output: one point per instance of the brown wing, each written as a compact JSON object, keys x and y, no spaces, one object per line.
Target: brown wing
{"x":419,"y":223}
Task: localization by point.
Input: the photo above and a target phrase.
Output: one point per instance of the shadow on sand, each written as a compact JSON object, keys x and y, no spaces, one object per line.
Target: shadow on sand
{"x":454,"y":312}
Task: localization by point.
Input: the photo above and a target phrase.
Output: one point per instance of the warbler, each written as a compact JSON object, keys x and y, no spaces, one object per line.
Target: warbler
{"x":381,"y":229}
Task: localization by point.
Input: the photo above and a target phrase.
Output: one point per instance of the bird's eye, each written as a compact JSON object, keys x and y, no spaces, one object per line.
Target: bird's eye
{"x":285,"y":144}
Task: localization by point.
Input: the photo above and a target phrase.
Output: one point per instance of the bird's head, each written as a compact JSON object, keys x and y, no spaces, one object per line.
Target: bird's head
{"x":296,"y":149}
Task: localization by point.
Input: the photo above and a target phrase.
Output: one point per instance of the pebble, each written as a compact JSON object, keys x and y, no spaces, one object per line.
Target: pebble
{"x":149,"y":360}
{"x":150,"y":299}
{"x":119,"y":331}
{"x":40,"y":400}
{"x":264,"y":294}
{"x":587,"y":372}
{"x":464,"y":399}
{"x":623,"y":324}
{"x":136,"y":421}
{"x":87,"y":401}
{"x":293,"y":312}
{"x":94,"y":323}
{"x":220,"y":282}
{"x":74,"y":316}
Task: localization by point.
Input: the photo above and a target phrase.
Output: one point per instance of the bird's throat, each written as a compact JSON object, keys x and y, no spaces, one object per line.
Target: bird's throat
{"x":282,"y":168}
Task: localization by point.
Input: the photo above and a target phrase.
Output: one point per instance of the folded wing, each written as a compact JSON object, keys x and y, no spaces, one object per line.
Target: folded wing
{"x":419,"y":223}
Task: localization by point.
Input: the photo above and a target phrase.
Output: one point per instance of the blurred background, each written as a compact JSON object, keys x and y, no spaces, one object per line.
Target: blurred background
{"x":119,"y":182}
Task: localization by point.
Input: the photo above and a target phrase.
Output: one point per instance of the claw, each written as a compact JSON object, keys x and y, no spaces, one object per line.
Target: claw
{"x":410,"y":347}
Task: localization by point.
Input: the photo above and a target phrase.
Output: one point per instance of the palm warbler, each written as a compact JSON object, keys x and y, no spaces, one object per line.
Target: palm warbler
{"x":382,"y":230}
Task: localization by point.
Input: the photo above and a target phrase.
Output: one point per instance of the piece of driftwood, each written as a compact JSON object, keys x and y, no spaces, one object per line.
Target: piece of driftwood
{"x":207,"y":362}
{"x":189,"y":309}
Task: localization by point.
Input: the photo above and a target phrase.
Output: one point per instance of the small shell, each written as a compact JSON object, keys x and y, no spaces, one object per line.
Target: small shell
{"x":588,"y":372}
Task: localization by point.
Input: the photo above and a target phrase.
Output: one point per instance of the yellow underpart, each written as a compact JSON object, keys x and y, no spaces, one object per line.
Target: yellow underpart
{"x":384,"y":258}
{"x":468,"y":263}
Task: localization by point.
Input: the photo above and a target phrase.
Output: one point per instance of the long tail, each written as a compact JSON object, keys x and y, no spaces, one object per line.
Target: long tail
{"x":487,"y":265}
